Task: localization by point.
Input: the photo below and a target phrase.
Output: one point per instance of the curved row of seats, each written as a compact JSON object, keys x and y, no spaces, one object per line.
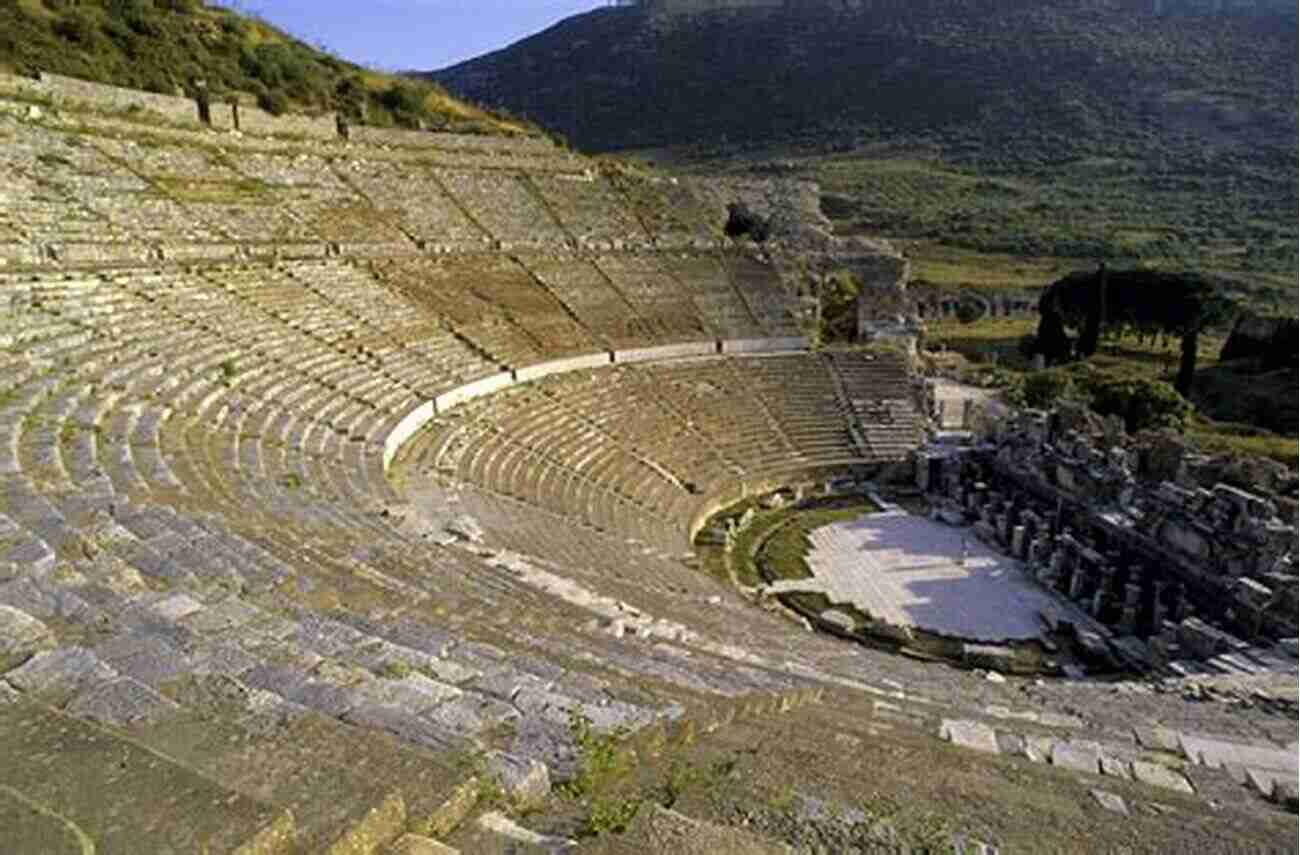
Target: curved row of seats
{"x":633,"y":449}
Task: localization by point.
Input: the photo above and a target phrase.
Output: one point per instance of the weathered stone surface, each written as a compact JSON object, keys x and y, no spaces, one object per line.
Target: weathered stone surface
{"x":58,"y":674}
{"x":21,"y":636}
{"x":659,"y":829}
{"x":1161,"y":776}
{"x":526,"y":781}
{"x":1214,"y":752}
{"x":1286,"y":794}
{"x":499,"y":824}
{"x":1156,"y":738}
{"x":1110,"y":801}
{"x":1076,"y":757}
{"x":412,"y":844}
{"x":122,"y":702}
{"x":1115,"y":767}
{"x":1266,"y":781}
{"x":970,"y":734}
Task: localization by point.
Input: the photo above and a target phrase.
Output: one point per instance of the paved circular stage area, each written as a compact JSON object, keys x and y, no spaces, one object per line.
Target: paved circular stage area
{"x":908,"y":571}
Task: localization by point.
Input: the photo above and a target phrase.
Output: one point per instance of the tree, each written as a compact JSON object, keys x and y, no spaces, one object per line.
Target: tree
{"x":1146,"y":302}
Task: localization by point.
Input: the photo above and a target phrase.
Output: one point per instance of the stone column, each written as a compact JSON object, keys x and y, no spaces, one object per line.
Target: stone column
{"x":1076,"y":582}
{"x":1181,"y":607}
{"x":1018,"y":542}
{"x":1098,"y":603}
{"x":1128,"y":621}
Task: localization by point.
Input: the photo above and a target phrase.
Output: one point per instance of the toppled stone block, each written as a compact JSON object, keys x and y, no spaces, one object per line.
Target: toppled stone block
{"x":1267,"y":781}
{"x":502,"y":826}
{"x":1115,"y":767}
{"x":413,"y":844}
{"x":1156,"y":775}
{"x":21,"y":637}
{"x":970,"y":734}
{"x":526,"y":782}
{"x":1076,"y":757}
{"x":1287,"y":796}
{"x":58,"y":674}
{"x":1110,"y":801}
{"x":1157,"y":738}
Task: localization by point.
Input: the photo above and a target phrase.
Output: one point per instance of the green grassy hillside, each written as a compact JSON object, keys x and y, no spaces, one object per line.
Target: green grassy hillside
{"x":168,"y":46}
{"x":979,"y":134}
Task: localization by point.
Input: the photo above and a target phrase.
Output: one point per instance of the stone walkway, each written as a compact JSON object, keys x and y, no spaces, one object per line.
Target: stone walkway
{"x":907,"y":570}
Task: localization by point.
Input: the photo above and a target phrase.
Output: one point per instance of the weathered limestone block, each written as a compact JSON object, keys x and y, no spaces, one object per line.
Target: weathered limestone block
{"x":413,"y":844}
{"x":21,"y":637}
{"x":1157,"y":775}
{"x":970,"y":734}
{"x":1077,"y":757}
{"x":526,"y":782}
{"x":669,"y":351}
{"x":1110,"y":801}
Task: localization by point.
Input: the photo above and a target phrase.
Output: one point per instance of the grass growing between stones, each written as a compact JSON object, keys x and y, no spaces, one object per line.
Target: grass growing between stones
{"x":776,"y":545}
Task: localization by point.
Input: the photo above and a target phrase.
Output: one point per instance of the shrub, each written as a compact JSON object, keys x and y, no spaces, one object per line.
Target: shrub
{"x":79,"y":27}
{"x":1142,"y":403}
{"x":1042,"y":389}
{"x":274,"y":102}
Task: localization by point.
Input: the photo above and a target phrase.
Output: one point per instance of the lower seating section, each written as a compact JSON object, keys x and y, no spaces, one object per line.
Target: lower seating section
{"x":632,"y":450}
{"x":199,"y":549}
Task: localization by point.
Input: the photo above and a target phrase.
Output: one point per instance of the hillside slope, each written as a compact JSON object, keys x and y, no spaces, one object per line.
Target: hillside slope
{"x":1106,"y":131}
{"x":983,"y":83}
{"x":170,"y":46}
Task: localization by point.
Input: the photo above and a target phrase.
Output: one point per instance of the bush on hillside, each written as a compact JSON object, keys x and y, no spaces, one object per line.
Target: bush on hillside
{"x":1142,"y":403}
{"x":1042,"y":389}
{"x":274,"y":102}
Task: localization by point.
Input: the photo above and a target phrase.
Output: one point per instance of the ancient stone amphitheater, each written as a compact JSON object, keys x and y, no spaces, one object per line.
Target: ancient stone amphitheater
{"x":338,"y":476}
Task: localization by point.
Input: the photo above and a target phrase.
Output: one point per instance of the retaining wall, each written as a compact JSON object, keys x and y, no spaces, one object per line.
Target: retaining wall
{"x":447,"y":141}
{"x":254,"y":120}
{"x":559,"y":366}
{"x":765,"y":345}
{"x":174,"y":107}
{"x":667,"y":351}
{"x":736,"y":490}
{"x":470,"y":391}
{"x":406,"y":428}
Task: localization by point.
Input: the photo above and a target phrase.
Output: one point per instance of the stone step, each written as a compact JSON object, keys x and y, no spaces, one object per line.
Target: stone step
{"x":84,"y":788}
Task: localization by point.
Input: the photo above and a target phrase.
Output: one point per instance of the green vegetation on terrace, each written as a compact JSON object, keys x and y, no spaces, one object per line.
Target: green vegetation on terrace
{"x":964,"y":228}
{"x":167,"y":46}
{"x":992,"y":142}
{"x":775,"y":544}
{"x":1229,"y":407}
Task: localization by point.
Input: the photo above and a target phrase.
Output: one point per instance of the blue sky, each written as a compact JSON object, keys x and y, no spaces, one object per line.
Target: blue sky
{"x":412,"y":34}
